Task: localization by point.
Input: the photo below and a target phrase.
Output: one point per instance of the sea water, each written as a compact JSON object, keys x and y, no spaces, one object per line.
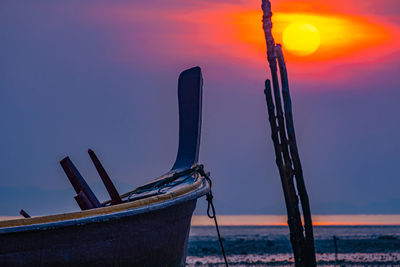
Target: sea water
{"x":270,"y":246}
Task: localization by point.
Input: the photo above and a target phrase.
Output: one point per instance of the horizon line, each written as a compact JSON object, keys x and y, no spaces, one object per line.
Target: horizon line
{"x":318,"y":220}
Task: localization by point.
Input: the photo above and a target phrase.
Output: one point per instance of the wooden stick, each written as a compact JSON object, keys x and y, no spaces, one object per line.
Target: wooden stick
{"x":24,"y":214}
{"x":112,"y":191}
{"x":298,"y":171}
{"x":291,"y":200}
{"x":79,"y":183}
{"x":294,"y":218}
{"x":287,"y":157}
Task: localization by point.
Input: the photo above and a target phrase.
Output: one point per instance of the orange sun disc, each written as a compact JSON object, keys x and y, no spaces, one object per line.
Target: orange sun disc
{"x":301,"y":38}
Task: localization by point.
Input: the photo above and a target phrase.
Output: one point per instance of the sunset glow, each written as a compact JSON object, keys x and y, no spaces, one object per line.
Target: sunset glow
{"x":335,"y":35}
{"x":233,"y":33}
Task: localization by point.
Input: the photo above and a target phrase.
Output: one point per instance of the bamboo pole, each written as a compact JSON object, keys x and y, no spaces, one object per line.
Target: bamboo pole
{"x":298,"y":171}
{"x":291,"y":200}
{"x":287,"y":157}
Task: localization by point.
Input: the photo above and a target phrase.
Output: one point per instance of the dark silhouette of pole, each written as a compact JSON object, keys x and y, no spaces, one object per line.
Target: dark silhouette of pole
{"x":85,"y":194}
{"x":112,"y":191}
{"x":336,"y":248}
{"x":298,"y":171}
{"x":287,"y":156}
{"x":24,"y":214}
{"x":291,"y":200}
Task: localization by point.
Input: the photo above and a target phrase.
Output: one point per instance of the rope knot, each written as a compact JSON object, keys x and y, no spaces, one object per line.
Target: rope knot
{"x":209,"y":197}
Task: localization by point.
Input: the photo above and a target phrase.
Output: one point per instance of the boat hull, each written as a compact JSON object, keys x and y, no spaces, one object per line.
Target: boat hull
{"x":153,"y":238}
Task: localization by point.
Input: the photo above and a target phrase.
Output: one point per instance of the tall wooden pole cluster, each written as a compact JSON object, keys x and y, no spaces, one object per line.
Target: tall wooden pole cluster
{"x":287,"y":156}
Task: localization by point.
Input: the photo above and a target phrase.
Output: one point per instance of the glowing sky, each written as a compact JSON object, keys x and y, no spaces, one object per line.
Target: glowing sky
{"x":80,"y":74}
{"x":230,"y":32}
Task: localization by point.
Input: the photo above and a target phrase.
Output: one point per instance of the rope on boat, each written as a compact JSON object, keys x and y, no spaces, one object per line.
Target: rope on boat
{"x":211,"y":209}
{"x":162,"y":185}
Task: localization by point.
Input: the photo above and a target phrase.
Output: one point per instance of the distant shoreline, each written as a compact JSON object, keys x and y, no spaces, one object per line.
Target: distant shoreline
{"x":318,"y":220}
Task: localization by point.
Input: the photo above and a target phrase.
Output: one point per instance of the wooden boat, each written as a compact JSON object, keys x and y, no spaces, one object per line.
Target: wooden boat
{"x":149,"y":228}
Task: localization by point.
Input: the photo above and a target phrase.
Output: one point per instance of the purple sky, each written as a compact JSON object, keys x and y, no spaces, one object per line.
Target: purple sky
{"x":103,"y":75}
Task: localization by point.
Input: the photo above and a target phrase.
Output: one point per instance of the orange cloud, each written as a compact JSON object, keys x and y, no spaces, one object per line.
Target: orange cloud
{"x":236,"y":31}
{"x":231,"y":36}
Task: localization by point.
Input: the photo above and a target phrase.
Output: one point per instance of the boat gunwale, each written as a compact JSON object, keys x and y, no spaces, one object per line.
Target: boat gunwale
{"x":189,"y":192}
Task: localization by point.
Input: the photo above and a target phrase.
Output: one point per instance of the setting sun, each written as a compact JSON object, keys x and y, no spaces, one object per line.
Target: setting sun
{"x":309,"y":36}
{"x":301,"y":38}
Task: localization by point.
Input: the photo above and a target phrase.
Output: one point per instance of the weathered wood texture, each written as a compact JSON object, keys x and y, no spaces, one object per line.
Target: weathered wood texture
{"x":156,"y":238}
{"x":287,"y":156}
